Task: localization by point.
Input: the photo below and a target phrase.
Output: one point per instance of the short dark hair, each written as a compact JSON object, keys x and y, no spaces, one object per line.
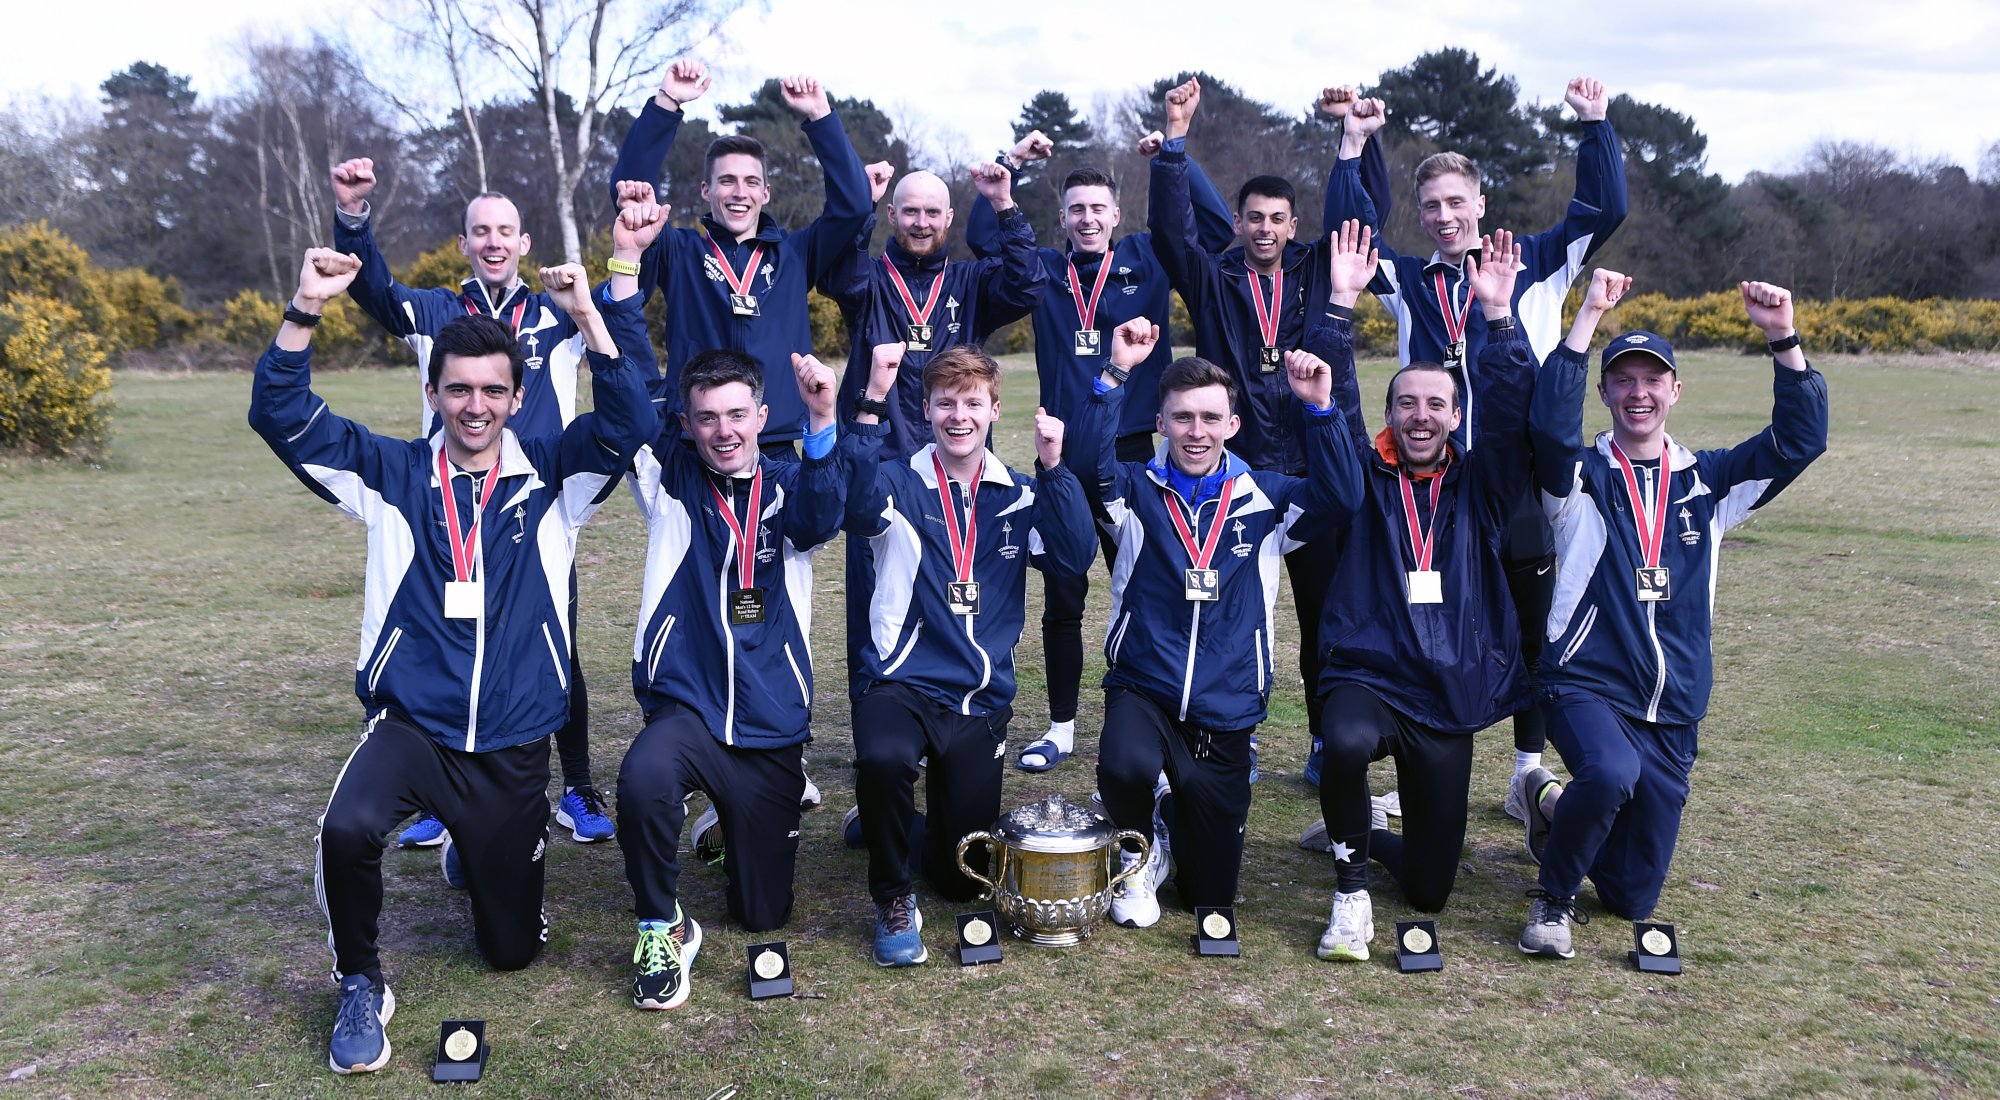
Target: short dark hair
{"x":729,"y":145}
{"x":1389,"y":399}
{"x":475,"y":338}
{"x":720,"y":367}
{"x":1090,"y":177}
{"x":1192,"y":372}
{"x":1271,"y":187}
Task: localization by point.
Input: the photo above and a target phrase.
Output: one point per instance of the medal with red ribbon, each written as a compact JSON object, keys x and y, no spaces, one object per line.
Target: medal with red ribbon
{"x":1426,"y":584}
{"x":1454,"y":321}
{"x":1200,"y":582}
{"x":742,"y":303}
{"x":920,"y":319}
{"x":1270,"y":357}
{"x":962,"y":593}
{"x":463,"y":595}
{"x":1654,"y":583}
{"x":746,"y":600}
{"x":1089,"y":341}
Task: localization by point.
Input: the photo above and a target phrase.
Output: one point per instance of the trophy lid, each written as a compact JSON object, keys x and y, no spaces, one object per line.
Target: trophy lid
{"x":1054,"y":825}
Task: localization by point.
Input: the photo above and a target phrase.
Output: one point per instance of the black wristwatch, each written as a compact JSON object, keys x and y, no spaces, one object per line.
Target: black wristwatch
{"x":1119,"y":373}
{"x":1787,"y":344}
{"x":1501,"y":324}
{"x":876,"y":409}
{"x":299,"y":316}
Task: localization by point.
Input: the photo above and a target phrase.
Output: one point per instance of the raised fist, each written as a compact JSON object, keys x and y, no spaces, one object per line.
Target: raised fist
{"x":994,"y":182}
{"x":323,"y":276}
{"x":568,"y":285}
{"x":879,"y":175}
{"x":1132,"y":342}
{"x":805,"y":97}
{"x":1036,"y":146}
{"x":1353,"y":261}
{"x":1491,"y":274}
{"x":1310,"y":377}
{"x":1606,"y":289}
{"x":883,"y":364}
{"x":1366,"y":116}
{"x":1334,"y":103}
{"x":1586,"y":97}
{"x":815,"y":385}
{"x":639,"y":219}
{"x":683,"y":83}
{"x":1048,"y":439}
{"x":353,"y":181}
{"x":1149,"y":146}
{"x":1181,"y":103}
{"x":1770,"y":308}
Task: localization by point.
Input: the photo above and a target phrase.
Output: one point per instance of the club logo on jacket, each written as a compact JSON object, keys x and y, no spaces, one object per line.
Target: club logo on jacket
{"x":711,"y":269}
{"x":1689,"y":536}
{"x":765,"y":552}
{"x":1008,"y":550}
{"x":1241,"y":549}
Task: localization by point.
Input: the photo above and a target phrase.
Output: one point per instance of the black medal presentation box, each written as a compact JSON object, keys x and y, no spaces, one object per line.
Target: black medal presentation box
{"x":768,"y":970}
{"x":461,"y":1051}
{"x":1215,"y":932}
{"x":1417,"y":946}
{"x":1656,"y":948}
{"x":978,"y":938}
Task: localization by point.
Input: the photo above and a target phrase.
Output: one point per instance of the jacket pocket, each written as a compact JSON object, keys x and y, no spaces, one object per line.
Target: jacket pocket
{"x":1258,"y":656}
{"x":1117,"y":639}
{"x":658,"y":647}
{"x":909,"y":647}
{"x":1582,"y":632}
{"x":382,"y":659}
{"x":556,"y":658}
{"x":805,"y":693}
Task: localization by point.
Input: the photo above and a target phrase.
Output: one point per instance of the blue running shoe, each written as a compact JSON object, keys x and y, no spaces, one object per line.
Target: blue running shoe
{"x":899,"y":927}
{"x":454,"y":872}
{"x":1313,"y":762}
{"x":360,"y":1028}
{"x":581,"y":811}
{"x":425,"y":832}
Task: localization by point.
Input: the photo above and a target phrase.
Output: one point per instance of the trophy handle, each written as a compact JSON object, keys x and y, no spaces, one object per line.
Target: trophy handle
{"x":1145,"y":850}
{"x":969,"y":840}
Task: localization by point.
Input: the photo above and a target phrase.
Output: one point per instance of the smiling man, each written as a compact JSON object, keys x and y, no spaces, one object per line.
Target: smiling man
{"x":465,"y":648}
{"x":721,"y":664}
{"x":951,"y":533}
{"x":1639,"y":520}
{"x":552,"y":351}
{"x":1418,"y":630}
{"x":1432,"y":301}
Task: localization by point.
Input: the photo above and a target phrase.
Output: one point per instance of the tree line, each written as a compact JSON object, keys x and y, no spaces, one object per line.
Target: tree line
{"x":224,"y":193}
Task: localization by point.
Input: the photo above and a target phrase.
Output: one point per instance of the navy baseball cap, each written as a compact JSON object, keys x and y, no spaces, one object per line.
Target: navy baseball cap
{"x":1647,"y":343}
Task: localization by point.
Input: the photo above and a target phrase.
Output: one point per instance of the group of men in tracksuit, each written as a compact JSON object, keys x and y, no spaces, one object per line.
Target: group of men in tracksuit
{"x":1424,"y":584}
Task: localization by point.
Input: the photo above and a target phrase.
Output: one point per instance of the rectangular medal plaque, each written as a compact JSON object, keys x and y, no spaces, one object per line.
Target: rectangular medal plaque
{"x":1655,"y":584}
{"x":1271,"y":359}
{"x":920,"y":338}
{"x":1089,"y":341}
{"x":746,"y":606}
{"x":1203,"y":585}
{"x":743,"y":305}
{"x":962,"y":597}
{"x":1426,"y":586}
{"x":463,"y":599}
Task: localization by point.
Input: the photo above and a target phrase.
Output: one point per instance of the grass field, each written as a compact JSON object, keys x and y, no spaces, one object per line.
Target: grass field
{"x":177,"y":632}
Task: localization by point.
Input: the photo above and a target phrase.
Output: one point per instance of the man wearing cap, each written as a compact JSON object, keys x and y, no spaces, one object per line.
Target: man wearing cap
{"x":1639,"y":520}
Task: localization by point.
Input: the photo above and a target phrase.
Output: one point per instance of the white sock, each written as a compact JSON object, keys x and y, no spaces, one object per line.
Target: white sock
{"x":1063,"y":734}
{"x":1525,"y":760}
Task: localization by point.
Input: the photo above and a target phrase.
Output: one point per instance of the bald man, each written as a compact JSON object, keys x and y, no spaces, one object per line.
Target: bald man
{"x":913,"y":294}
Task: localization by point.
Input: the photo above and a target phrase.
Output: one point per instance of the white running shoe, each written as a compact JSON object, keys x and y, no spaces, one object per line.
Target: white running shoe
{"x":1350,"y":929}
{"x":1132,"y":902}
{"x":811,"y":797}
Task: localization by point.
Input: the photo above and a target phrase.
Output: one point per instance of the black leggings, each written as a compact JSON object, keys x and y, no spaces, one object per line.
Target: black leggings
{"x":1533,"y":586}
{"x":1433,"y":774}
{"x":1209,"y":771}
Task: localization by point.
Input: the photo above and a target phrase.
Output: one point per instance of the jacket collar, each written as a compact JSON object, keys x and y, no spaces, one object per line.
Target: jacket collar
{"x":902,"y":258}
{"x":513,"y":460}
{"x":1678,"y":457}
{"x":993,"y":473}
{"x":1234,"y":262}
{"x":1437,"y":262}
{"x":768,"y":231}
{"x":1163,"y":475}
{"x":474,"y":291}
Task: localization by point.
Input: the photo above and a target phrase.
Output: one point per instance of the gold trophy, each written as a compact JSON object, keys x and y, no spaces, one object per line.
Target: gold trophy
{"x":1054,"y":869}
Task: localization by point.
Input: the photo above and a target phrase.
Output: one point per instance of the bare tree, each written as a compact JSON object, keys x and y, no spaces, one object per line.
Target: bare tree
{"x":437,"y":27}
{"x":620,"y":44}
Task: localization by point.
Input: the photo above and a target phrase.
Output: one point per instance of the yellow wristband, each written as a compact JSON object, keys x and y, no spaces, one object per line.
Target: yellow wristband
{"x":621,"y":267}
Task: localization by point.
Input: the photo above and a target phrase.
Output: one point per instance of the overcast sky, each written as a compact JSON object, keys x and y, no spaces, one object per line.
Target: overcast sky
{"x":1762,"y":81}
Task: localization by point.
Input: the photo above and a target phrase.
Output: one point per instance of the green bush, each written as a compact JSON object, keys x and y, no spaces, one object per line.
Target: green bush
{"x":344,"y":334}
{"x":1873,"y":325}
{"x":125,"y":308}
{"x":55,"y":391}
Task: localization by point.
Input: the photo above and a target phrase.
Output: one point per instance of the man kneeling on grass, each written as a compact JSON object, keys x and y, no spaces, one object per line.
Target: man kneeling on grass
{"x":465,"y":630}
{"x":951,"y":532}
{"x":1638,"y":522}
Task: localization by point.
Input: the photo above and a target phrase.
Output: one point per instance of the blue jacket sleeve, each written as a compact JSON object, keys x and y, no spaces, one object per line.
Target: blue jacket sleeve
{"x":1555,"y":422}
{"x":604,"y":440}
{"x":397,"y":308}
{"x":1094,"y":425}
{"x":1332,"y":339}
{"x":846,"y":277}
{"x":1596,"y":209}
{"x":1499,"y":452}
{"x":643,"y":153}
{"x":1008,"y":290}
{"x":1214,"y":223}
{"x":1062,"y":519}
{"x":1333,"y":487}
{"x":302,"y":431}
{"x":817,"y":504}
{"x":1779,"y":453}
{"x":848,"y":209}
{"x":860,"y":450}
{"x":1170,"y":218}
{"x":1347,"y":196}
{"x":1373,"y":168}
